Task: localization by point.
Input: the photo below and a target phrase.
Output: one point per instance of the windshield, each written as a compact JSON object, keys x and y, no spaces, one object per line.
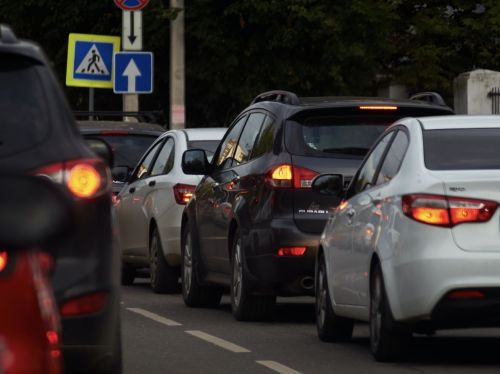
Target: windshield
{"x":128,"y":149}
{"x":462,"y":149}
{"x":209,"y":146}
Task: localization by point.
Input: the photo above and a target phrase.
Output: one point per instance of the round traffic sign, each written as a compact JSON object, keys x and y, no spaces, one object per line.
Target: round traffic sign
{"x":131,"y":4}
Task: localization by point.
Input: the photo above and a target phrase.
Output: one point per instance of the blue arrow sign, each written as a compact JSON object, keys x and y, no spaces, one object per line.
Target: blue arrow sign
{"x":133,"y":72}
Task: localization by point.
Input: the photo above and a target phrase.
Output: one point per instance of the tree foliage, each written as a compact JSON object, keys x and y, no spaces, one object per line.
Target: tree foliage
{"x":236,"y":49}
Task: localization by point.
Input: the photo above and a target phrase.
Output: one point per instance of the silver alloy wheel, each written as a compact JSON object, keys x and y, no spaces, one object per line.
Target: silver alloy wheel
{"x":321,"y":298}
{"x":376,"y":315}
{"x":237,"y":274}
{"x":188,"y":264}
{"x":154,"y":260}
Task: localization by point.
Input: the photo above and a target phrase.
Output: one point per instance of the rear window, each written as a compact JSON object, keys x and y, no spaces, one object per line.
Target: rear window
{"x":462,"y":149}
{"x":209,"y":146}
{"x":23,"y":115}
{"x":128,"y":149}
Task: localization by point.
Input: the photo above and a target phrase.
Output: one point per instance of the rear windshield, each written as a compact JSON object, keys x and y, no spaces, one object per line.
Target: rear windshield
{"x":128,"y":149}
{"x":462,"y":149}
{"x":209,"y":146}
{"x":23,"y":115}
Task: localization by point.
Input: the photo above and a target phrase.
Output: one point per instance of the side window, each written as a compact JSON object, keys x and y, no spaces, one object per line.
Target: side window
{"x":394,"y":158}
{"x":367,"y":173}
{"x":243,"y":151}
{"x":225,"y":159}
{"x":142,"y":172}
{"x":265,"y":141}
{"x":163,"y":160}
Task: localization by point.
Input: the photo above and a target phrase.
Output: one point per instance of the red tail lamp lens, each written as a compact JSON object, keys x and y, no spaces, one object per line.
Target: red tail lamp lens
{"x":378,"y":107}
{"x":468,"y":210}
{"x":3,"y":260}
{"x":183,"y":193}
{"x":291,"y":251}
{"x":302,"y":177}
{"x":83,"y":180}
{"x":87,"y":304}
{"x":288,"y":176}
{"x":466,"y":295}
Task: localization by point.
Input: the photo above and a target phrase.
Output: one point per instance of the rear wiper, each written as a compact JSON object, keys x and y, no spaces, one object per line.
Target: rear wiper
{"x":348,"y":150}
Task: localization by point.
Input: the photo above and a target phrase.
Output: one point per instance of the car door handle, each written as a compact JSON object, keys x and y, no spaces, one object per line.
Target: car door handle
{"x":350,"y":213}
{"x":152,"y":183}
{"x":131,"y":189}
{"x":215,"y":185}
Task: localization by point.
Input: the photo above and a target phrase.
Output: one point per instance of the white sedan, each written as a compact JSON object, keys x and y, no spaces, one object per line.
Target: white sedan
{"x":415,"y":245}
{"x":149,"y":207}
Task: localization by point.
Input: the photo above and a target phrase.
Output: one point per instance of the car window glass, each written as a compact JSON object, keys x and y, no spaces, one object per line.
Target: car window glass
{"x":243,"y":151}
{"x":162,"y":161}
{"x":394,"y":158}
{"x":265,"y":141}
{"x":225,"y":160}
{"x":370,"y":166}
{"x":142,"y":172}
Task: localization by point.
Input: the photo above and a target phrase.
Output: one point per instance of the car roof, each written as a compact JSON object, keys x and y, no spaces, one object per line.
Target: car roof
{"x":9,"y":43}
{"x":212,"y":133}
{"x":95,"y":127}
{"x":459,"y":122}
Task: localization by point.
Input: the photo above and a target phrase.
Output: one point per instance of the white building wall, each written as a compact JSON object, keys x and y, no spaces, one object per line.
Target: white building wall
{"x":471,"y":91}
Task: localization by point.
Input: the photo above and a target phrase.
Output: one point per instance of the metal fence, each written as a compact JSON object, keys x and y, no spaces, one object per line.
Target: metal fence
{"x":495,"y":100}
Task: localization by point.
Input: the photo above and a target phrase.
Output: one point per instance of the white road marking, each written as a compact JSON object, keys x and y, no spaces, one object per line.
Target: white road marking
{"x":217,"y":341}
{"x":276,"y":366}
{"x":154,"y":317}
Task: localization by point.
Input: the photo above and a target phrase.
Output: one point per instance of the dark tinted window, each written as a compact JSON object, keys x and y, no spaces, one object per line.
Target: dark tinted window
{"x":165,"y":160}
{"x":226,"y":152}
{"x":265,"y":141}
{"x":128,"y":149}
{"x":367,"y":173}
{"x":247,"y":139}
{"x":23,"y":110}
{"x":462,"y":149}
{"x":394,"y":158}
{"x":143,"y":169}
{"x":209,"y":146}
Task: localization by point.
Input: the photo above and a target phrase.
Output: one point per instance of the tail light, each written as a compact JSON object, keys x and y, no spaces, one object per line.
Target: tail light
{"x":287,"y":176}
{"x":3,"y":260}
{"x":466,"y":295}
{"x":291,"y":251}
{"x":183,"y":193}
{"x":86,"y":179}
{"x":82,"y":305}
{"x":378,"y":107}
{"x":447,"y":211}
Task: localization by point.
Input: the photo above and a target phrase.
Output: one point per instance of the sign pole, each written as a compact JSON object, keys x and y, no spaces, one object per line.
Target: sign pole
{"x":91,"y":102}
{"x":177,"y":85}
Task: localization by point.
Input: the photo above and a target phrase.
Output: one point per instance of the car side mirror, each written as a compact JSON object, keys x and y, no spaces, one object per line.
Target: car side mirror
{"x":195,"y":162}
{"x":121,"y":174}
{"x":102,"y":150}
{"x":328,"y":184}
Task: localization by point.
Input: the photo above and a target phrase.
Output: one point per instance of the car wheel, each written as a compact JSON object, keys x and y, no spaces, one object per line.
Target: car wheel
{"x":331,"y":327}
{"x":164,"y":278}
{"x":386,"y":345}
{"x":194,"y":294}
{"x":128,"y":276}
{"x":246,"y":307}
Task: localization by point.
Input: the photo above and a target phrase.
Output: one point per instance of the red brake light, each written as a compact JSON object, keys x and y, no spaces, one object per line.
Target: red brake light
{"x":447,"y":211}
{"x":84,"y":304}
{"x":378,"y":107}
{"x":183,"y":193}
{"x":302,"y":177}
{"x":291,"y":251}
{"x":466,"y":295}
{"x":282,"y":176}
{"x":114,"y":133}
{"x":3,"y":260}
{"x":83,"y":180}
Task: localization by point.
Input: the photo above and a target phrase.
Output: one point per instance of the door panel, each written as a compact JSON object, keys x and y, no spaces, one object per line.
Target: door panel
{"x":205,"y":202}
{"x":125,"y":215}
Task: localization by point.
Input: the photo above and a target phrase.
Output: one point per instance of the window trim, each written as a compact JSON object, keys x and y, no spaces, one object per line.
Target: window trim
{"x":397,"y":129}
{"x":165,"y":140}
{"x":134,"y":173}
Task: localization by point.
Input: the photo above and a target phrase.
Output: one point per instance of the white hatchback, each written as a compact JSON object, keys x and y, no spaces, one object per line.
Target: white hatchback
{"x":149,"y":207}
{"x":415,"y":245}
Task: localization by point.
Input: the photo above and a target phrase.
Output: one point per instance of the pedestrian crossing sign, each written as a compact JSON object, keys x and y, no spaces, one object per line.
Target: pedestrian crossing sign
{"x":90,"y":60}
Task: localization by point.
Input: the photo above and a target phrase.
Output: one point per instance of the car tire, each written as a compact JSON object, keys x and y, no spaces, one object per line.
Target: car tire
{"x":330,"y":326}
{"x":194,"y":294}
{"x":164,"y":278}
{"x":386,"y":345}
{"x":128,"y":276}
{"x":246,"y":307}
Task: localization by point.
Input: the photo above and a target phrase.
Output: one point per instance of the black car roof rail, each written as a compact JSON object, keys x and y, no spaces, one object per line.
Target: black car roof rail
{"x":7,"y":36}
{"x":142,"y":116}
{"x":281,"y":96}
{"x":431,"y":97}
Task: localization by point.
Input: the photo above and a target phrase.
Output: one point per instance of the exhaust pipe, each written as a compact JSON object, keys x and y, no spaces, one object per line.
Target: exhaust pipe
{"x":307,"y":283}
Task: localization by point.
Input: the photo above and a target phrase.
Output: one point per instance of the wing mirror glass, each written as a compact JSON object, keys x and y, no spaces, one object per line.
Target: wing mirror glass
{"x":121,"y":174}
{"x":328,"y":184}
{"x":102,"y":150}
{"x":194,"y":162}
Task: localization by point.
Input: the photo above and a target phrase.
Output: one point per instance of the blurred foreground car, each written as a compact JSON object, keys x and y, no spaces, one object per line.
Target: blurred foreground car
{"x":39,"y":137}
{"x":415,"y":245}
{"x":253,"y":224}
{"x":149,"y":208}
{"x":35,"y":213}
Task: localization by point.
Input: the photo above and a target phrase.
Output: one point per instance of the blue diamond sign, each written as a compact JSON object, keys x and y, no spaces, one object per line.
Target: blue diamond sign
{"x":133,"y":72}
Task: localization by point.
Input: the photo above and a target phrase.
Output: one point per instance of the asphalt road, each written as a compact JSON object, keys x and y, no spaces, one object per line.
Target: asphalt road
{"x":161,"y":335}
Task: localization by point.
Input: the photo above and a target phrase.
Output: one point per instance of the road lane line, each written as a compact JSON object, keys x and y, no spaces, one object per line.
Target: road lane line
{"x":154,"y":317}
{"x":276,"y":366}
{"x":217,"y":341}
